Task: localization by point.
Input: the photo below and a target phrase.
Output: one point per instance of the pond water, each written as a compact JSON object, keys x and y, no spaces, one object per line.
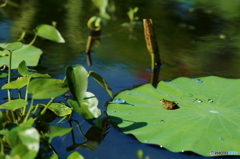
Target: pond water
{"x":196,"y":38}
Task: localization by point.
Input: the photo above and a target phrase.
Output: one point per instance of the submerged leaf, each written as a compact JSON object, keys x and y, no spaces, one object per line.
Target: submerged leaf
{"x":50,"y":33}
{"x":207,"y":119}
{"x":57,"y":131}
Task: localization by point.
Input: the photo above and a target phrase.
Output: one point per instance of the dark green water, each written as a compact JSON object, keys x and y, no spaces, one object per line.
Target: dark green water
{"x":196,"y":38}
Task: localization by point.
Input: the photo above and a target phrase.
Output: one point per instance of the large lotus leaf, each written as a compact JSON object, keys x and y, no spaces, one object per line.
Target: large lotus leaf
{"x":29,"y":53}
{"x":207,"y":119}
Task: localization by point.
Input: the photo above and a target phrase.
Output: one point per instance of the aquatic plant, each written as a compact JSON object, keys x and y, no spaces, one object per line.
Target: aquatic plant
{"x":19,"y":117}
{"x":206,"y":120}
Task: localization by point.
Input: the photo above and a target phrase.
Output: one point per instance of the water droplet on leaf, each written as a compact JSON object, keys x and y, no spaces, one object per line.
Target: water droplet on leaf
{"x":118,"y":101}
{"x":162,"y":121}
{"x":213,"y":111}
{"x":199,"y":81}
{"x":221,"y":138}
{"x":190,"y":95}
{"x":199,"y":101}
{"x":210,"y":101}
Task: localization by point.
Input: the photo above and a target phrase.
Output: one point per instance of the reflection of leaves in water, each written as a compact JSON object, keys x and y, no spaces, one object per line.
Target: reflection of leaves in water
{"x":93,"y":137}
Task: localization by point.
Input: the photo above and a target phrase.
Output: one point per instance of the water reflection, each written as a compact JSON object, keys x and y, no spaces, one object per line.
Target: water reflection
{"x":196,"y":38}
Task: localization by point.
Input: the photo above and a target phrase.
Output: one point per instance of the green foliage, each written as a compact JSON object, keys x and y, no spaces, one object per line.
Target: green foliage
{"x":102,"y":6}
{"x":18,"y":133}
{"x":3,"y":75}
{"x":14,"y":104}
{"x":133,"y":20}
{"x":206,"y":120}
{"x":24,"y":141}
{"x":75,"y":155}
{"x":60,"y":109}
{"x":77,"y":79}
{"x":94,"y":23}
{"x":30,"y":54}
{"x":41,"y":88}
{"x":14,"y":46}
{"x":49,"y":32}
{"x":17,"y":84}
{"x":88,"y":108}
{"x":22,"y":69}
{"x":101,"y":81}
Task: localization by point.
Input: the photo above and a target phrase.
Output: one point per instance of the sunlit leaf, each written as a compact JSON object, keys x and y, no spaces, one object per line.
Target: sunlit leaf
{"x":50,"y":33}
{"x":14,"y":104}
{"x":101,"y":81}
{"x":29,"y":53}
{"x":60,"y":109}
{"x":75,"y":155}
{"x":57,"y":131}
{"x":14,"y":46}
{"x":17,"y":84}
{"x":88,"y":109}
{"x":77,"y":79}
{"x":22,"y":152}
{"x":207,"y":118}
{"x":22,"y":69}
{"x":54,"y":156}
{"x":46,"y":88}
{"x":24,"y":141}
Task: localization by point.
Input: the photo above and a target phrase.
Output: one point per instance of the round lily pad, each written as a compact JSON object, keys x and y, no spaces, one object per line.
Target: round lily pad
{"x":207,"y":118}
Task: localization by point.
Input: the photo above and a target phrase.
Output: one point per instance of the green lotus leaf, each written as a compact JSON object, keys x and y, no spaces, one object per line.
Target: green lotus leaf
{"x":50,"y":33}
{"x":207,"y":119}
{"x":29,"y":53}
